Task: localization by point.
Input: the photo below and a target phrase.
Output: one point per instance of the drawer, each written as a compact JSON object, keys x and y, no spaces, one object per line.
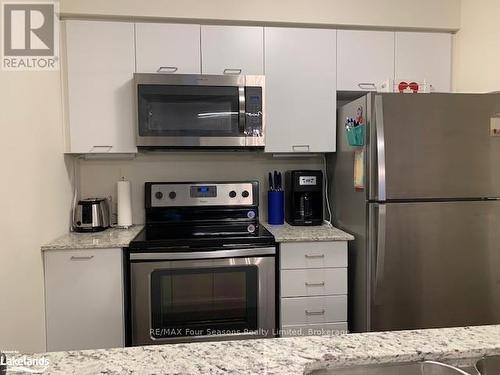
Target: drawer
{"x":313,"y":282}
{"x":313,"y":329}
{"x":313,"y":254}
{"x":308,"y":310}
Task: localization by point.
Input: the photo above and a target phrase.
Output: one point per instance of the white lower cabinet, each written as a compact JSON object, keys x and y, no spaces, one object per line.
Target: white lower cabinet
{"x":313,"y":288}
{"x":84,"y":299}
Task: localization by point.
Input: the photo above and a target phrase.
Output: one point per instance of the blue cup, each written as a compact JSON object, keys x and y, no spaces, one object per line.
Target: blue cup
{"x":276,"y":207}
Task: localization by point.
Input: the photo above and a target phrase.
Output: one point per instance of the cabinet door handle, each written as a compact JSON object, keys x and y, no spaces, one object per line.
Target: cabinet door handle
{"x":318,"y":312}
{"x":166,"y":69}
{"x":101,"y":148}
{"x":311,"y":256}
{"x":367,"y":85}
{"x":300,"y":148}
{"x":232,"y":71}
{"x":315,"y":284}
{"x":88,"y":257}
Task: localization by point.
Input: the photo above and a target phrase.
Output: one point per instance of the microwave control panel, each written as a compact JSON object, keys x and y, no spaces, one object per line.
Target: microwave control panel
{"x":253,"y":104}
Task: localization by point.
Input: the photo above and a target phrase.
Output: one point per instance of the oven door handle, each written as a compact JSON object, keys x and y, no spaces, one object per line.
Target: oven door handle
{"x":233,"y":253}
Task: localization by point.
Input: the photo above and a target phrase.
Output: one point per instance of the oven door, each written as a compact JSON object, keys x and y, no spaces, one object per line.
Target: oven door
{"x":184,"y":110}
{"x":191,"y":297}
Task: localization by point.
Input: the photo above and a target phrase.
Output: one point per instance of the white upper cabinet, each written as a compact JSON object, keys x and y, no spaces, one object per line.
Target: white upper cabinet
{"x":167,"y":48}
{"x":365,"y":59}
{"x":232,"y":50}
{"x":424,"y":57}
{"x":300,"y":66}
{"x":100,"y":68}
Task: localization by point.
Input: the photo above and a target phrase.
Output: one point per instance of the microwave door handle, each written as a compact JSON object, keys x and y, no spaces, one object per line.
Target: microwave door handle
{"x":242,"y":110}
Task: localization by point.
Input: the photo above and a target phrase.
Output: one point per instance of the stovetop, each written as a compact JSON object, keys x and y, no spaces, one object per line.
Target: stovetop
{"x":194,"y":215}
{"x":178,"y":237}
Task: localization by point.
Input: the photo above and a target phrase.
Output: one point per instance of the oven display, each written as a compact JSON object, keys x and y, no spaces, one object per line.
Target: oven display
{"x":207,"y":191}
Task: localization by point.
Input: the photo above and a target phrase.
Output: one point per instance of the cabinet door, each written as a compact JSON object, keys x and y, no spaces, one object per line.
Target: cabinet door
{"x":84,"y":299}
{"x":100,"y":67}
{"x":232,"y":50}
{"x":365,"y":59}
{"x":167,"y":48}
{"x":300,"y":66}
{"x":424,"y":57}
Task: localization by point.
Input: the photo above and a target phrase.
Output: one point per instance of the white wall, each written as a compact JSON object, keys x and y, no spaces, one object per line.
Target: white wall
{"x":476,"y":57}
{"x":35,"y":200}
{"x":433,"y":14}
{"x":98,"y":177}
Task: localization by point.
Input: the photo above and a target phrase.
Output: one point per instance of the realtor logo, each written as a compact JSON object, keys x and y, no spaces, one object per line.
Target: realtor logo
{"x":30,"y":36}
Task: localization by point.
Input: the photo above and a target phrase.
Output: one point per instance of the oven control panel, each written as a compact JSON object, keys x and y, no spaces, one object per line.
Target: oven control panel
{"x":202,"y":194}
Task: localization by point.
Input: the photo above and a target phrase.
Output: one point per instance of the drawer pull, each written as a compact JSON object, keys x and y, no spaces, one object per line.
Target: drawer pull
{"x":82,"y":257}
{"x":232,"y":71}
{"x":300,"y":148}
{"x":166,"y":69}
{"x":319,"y":312}
{"x":367,"y":86}
{"x":315,"y":284}
{"x":101,"y":148}
{"x":314,"y":256}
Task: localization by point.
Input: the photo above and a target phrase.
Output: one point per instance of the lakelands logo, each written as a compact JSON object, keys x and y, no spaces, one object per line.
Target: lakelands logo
{"x":15,"y":363}
{"x":30,"y":36}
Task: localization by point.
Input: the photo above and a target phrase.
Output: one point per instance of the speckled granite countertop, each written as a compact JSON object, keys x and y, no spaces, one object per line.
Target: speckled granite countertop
{"x":289,"y":233}
{"x":283,"y":355}
{"x":109,"y":238}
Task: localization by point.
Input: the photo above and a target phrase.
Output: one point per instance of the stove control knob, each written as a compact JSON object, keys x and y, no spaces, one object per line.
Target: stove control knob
{"x":172,"y":195}
{"x":245,"y":193}
{"x":159,"y":195}
{"x":251,"y":214}
{"x":251,"y":228}
{"x":232,"y":194}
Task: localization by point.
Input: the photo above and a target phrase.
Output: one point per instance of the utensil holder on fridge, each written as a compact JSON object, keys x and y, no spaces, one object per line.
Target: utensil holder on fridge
{"x":276,"y":207}
{"x":356,"y":135}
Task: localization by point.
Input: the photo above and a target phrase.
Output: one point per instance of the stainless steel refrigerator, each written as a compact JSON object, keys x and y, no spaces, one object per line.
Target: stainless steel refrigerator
{"x":424,"y":207}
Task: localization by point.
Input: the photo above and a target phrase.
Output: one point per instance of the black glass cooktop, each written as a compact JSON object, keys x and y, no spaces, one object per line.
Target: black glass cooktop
{"x":178,"y":237}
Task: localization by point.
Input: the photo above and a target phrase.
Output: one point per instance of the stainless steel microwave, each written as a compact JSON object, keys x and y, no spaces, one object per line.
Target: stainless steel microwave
{"x":208,"y":111}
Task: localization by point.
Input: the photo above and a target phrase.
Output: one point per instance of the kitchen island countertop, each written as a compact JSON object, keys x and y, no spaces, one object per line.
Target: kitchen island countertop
{"x":290,"y":233}
{"x":107,"y":239}
{"x":296,"y":355}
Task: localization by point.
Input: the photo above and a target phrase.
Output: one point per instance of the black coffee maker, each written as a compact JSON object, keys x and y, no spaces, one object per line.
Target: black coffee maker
{"x":304,"y":197}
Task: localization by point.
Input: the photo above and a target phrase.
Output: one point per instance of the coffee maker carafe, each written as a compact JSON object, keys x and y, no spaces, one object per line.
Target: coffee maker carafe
{"x":304,"y":197}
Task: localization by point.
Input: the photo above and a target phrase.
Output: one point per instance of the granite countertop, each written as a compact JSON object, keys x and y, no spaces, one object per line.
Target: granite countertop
{"x":109,"y":238}
{"x":298,"y":355}
{"x":325,"y":232}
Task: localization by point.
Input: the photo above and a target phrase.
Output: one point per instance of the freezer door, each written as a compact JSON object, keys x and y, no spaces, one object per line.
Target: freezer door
{"x":434,"y":264}
{"x":435,"y":146}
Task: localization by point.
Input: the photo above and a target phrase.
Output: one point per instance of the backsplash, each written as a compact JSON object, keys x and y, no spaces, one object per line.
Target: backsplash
{"x":98,"y":177}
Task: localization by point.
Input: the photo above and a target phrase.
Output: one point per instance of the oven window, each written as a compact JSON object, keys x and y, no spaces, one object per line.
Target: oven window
{"x":189,"y":111}
{"x":195,"y":302}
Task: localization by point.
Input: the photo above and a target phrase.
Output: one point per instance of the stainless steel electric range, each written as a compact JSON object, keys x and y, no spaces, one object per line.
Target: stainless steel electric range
{"x":203,"y":268}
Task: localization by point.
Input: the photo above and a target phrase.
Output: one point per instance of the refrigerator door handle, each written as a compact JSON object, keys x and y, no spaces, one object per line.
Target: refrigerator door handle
{"x":380,"y":255}
{"x":380,"y":138}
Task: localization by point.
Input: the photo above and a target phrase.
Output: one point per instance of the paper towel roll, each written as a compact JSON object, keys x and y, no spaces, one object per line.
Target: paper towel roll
{"x":124,"y":203}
